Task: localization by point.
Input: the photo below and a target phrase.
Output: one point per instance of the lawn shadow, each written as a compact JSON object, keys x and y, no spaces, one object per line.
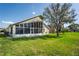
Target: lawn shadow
{"x":50,"y":36}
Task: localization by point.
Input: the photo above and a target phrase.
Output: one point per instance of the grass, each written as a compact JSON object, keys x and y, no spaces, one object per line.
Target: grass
{"x":49,"y":45}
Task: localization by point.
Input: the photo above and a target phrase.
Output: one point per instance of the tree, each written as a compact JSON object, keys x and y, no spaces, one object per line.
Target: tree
{"x":57,"y":15}
{"x":73,"y":27}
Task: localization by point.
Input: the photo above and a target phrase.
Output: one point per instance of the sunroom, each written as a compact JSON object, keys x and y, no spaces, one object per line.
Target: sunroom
{"x":31,"y":27}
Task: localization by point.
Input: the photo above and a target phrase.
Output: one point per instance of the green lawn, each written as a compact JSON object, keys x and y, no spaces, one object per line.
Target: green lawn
{"x":48,"y":45}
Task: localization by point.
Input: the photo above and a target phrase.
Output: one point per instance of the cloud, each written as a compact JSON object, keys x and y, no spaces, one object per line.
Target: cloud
{"x":33,"y":13}
{"x":7,"y":22}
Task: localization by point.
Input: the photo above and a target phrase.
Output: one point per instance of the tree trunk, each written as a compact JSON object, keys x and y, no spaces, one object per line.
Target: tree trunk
{"x":57,"y":31}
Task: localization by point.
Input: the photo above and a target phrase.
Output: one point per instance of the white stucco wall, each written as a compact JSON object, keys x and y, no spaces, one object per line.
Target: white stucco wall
{"x":37,"y":19}
{"x":13,"y":30}
{"x":27,"y":35}
{"x":45,"y":30}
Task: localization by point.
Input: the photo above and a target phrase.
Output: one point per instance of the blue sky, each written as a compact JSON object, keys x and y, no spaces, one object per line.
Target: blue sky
{"x":12,"y":13}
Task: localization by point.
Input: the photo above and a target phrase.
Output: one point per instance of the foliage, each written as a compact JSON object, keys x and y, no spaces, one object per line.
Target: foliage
{"x":74,"y":27}
{"x":57,"y":14}
{"x":2,"y":35}
{"x":65,"y":30}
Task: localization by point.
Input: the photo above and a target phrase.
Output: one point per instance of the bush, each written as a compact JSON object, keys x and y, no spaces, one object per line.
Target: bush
{"x":2,"y":35}
{"x":65,"y":30}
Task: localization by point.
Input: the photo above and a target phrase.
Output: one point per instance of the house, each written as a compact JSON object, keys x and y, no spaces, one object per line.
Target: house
{"x":73,"y":27}
{"x":1,"y":31}
{"x":29,"y":27}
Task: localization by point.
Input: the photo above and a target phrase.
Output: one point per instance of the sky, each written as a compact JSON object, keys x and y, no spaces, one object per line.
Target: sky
{"x":12,"y":13}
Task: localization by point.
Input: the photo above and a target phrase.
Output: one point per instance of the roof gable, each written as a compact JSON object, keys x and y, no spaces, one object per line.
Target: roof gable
{"x":33,"y":19}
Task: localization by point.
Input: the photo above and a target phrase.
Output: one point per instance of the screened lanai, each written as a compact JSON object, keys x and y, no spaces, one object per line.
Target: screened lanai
{"x":29,"y":28}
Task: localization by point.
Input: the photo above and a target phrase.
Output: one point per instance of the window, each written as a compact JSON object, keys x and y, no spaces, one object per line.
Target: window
{"x":40,"y":25}
{"x":40,"y":30}
{"x":32,"y":30}
{"x":25,"y":25}
{"x":26,"y":30}
{"x":17,"y":25}
{"x":19,"y":30}
{"x":31,"y":25}
{"x":35,"y":24}
{"x":21,"y":25}
{"x":35,"y":30}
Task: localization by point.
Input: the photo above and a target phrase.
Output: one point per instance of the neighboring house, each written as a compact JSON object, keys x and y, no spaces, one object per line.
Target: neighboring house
{"x":27,"y":28}
{"x":73,"y":27}
{"x":1,"y":31}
